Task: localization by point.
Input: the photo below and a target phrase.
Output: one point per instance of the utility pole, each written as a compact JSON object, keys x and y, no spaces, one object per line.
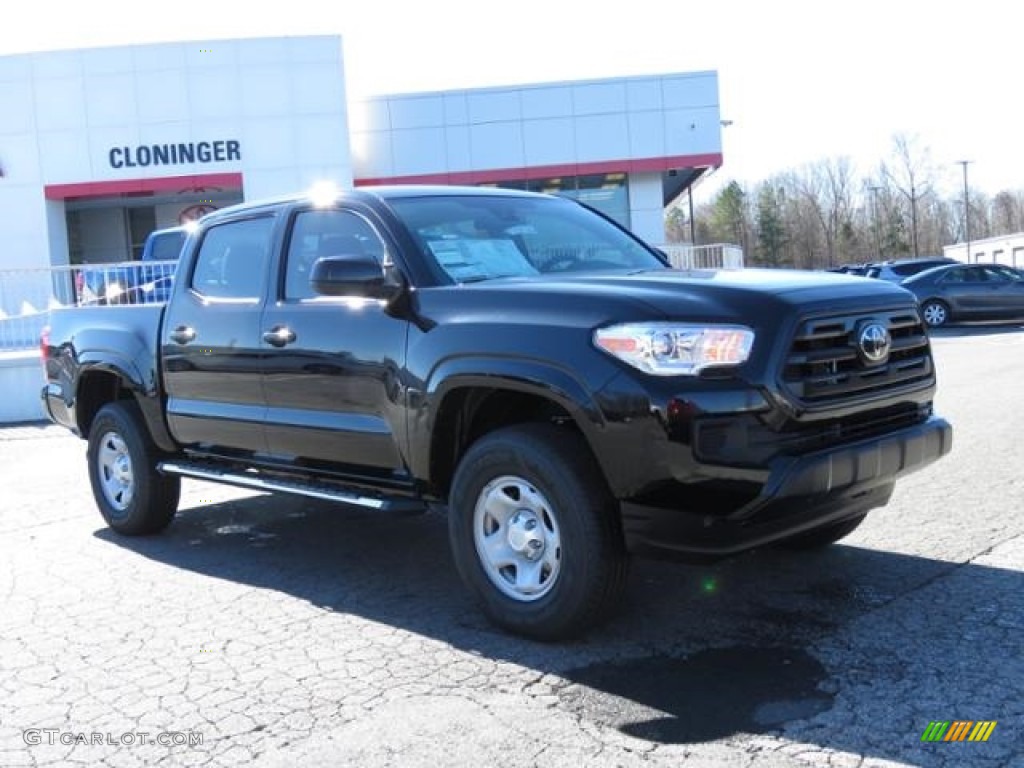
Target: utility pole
{"x":913,"y":217}
{"x":967,"y":209}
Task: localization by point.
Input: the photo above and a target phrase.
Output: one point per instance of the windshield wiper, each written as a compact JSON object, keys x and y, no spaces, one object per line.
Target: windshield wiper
{"x":482,"y":278}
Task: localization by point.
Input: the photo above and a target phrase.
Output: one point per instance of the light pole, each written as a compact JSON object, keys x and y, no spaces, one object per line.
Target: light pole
{"x":693,"y":228}
{"x":967,"y":210}
{"x":874,"y":190}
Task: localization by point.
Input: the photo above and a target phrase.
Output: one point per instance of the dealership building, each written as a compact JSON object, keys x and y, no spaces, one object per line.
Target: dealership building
{"x":99,"y":147}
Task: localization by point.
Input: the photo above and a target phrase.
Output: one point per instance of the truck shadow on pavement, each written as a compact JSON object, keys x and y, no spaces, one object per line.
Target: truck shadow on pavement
{"x":848,"y":649}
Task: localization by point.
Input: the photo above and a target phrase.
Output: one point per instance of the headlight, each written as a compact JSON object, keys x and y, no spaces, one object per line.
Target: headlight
{"x":676,"y":349}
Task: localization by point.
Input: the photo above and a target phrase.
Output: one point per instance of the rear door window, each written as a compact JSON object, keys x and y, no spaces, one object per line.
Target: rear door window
{"x":954,"y":276}
{"x":232,"y":260}
{"x":1000,"y":274}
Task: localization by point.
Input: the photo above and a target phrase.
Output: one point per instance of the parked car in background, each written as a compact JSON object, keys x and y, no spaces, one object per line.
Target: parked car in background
{"x":900,"y":269}
{"x":968,"y":292}
{"x":164,"y":244}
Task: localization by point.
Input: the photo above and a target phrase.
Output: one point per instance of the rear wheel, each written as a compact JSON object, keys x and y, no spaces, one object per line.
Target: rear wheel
{"x":534,"y":532}
{"x":935,"y":313}
{"x":133,"y":497}
{"x":823,"y":537}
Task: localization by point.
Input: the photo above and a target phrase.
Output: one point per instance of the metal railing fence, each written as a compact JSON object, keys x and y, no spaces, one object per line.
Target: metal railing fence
{"x":714,"y":256}
{"x":28,"y":295}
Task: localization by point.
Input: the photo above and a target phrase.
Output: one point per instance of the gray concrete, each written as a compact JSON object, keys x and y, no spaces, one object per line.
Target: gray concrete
{"x":288,"y":633}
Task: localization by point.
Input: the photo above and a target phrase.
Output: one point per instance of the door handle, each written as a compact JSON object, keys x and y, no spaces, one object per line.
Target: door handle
{"x":279,"y":336}
{"x":183,"y":334}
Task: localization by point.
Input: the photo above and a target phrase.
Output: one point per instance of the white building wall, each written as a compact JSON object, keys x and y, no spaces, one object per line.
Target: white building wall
{"x":1004,"y":249}
{"x":23,"y":225}
{"x":647,"y":207}
{"x":22,"y":377}
{"x":282,"y":99}
{"x":22,"y":216}
{"x":559,"y":124}
{"x":56,"y":231}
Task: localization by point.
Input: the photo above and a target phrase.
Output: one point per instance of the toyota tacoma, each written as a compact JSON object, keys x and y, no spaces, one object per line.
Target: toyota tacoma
{"x":515,"y":359}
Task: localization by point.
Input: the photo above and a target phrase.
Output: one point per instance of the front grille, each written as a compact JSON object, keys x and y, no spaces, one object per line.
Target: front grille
{"x":824,"y":364}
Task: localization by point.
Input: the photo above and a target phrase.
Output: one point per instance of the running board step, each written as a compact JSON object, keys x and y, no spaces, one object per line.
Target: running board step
{"x":256,"y":481}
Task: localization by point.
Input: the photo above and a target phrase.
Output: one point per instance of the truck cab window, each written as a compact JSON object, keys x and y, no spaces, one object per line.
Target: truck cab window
{"x":232,"y":260}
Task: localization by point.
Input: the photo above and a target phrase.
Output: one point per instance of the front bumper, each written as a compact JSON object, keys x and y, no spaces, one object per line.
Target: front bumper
{"x":800,"y":494}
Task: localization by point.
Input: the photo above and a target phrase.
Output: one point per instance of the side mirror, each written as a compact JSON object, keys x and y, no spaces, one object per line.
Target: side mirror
{"x":360,"y":276}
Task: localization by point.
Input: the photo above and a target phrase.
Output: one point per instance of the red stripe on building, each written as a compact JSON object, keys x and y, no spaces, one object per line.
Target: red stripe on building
{"x":202,"y":181}
{"x":494,"y":175}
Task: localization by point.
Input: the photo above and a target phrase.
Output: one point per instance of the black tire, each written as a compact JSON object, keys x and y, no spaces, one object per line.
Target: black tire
{"x":575,"y":575}
{"x":823,"y":537}
{"x":935,"y":313}
{"x":133,"y":497}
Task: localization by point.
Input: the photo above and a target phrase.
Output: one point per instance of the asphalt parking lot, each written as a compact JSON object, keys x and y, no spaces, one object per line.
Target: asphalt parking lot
{"x":267,"y":631}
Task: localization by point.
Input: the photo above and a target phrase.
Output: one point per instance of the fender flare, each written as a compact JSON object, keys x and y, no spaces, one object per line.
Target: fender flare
{"x":533,"y":377}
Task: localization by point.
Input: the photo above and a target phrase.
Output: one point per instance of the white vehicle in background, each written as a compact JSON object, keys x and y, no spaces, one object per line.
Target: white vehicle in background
{"x":896,"y":271}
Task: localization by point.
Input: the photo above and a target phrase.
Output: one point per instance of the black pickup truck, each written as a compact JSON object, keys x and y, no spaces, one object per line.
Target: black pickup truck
{"x":516,"y":359}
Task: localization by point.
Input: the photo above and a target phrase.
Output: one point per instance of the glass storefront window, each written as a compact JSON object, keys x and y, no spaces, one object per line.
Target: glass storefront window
{"x":606,"y":192}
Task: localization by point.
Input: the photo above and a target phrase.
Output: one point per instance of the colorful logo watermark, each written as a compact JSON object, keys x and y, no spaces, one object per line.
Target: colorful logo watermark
{"x":959,"y":730}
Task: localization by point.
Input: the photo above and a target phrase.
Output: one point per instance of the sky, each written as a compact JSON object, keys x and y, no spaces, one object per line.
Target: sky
{"x":800,"y":80}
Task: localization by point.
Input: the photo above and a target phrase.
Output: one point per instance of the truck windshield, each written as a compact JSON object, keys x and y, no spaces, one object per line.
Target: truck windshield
{"x":483,"y":237}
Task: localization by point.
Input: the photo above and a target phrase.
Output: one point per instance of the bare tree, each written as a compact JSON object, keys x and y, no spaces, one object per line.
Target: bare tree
{"x":912,"y":174}
{"x":804,"y":242}
{"x":822,"y":215}
{"x":1007,"y":213}
{"x":938,"y":224}
{"x":826,"y":187}
{"x":981,"y":215}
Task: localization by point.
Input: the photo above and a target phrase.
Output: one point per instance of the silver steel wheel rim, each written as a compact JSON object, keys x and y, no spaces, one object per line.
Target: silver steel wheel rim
{"x":517,"y":538}
{"x":115,"y":471}
{"x":935,"y":314}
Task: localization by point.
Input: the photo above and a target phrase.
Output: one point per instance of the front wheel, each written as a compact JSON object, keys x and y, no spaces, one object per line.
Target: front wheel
{"x":132,"y":495}
{"x":534,"y":532}
{"x":935,"y":313}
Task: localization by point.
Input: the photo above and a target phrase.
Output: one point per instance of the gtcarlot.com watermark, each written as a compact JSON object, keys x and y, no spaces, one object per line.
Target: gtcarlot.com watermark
{"x":36,"y":736}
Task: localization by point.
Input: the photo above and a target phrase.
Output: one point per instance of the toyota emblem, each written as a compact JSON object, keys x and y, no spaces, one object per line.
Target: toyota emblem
{"x":874,"y":342}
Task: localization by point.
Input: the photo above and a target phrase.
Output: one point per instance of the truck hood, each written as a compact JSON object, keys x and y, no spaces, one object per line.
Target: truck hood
{"x":698,"y":295}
